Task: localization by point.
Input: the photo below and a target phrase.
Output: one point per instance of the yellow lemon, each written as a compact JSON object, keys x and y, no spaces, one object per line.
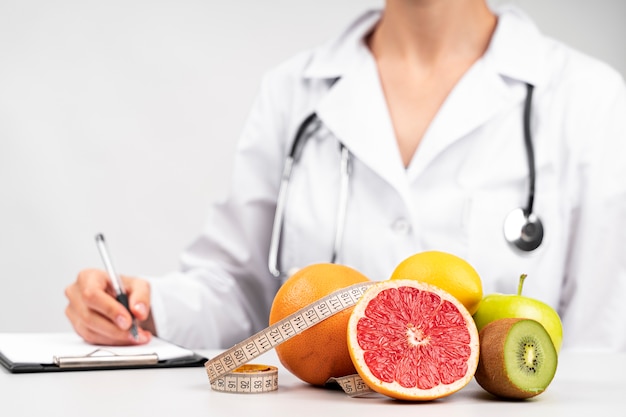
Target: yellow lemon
{"x":446,"y":271}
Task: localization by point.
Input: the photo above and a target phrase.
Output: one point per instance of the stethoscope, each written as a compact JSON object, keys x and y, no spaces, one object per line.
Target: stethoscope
{"x":309,"y":127}
{"x":523,"y":230}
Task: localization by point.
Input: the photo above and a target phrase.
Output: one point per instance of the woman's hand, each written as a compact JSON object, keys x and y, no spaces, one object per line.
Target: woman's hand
{"x":99,"y":318}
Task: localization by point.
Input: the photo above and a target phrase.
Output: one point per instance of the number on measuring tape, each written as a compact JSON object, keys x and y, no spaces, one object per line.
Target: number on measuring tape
{"x":274,"y":336}
{"x":299,"y":323}
{"x":311,"y":317}
{"x":353,"y":385}
{"x":335,"y":304}
{"x":323,"y":310}
{"x":263,"y":343}
{"x":250,"y":350}
{"x":253,"y":379}
{"x":287,"y":330}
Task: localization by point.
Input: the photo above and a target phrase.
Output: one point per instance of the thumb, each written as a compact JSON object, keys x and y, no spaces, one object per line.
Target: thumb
{"x":138,"y":291}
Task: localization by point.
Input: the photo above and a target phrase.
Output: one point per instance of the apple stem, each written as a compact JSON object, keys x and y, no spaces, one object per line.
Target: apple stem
{"x":520,"y":285}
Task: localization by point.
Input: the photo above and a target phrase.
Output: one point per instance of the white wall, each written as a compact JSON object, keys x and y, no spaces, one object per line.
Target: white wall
{"x":121,"y":117}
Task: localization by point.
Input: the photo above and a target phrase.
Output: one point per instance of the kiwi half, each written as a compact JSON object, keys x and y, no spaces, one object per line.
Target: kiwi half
{"x":517,"y":358}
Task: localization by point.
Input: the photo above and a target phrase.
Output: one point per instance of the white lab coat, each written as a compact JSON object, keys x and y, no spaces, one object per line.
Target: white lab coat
{"x":469,"y":172}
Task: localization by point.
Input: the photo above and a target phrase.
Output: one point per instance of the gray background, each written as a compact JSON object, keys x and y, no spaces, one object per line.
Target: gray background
{"x":121,"y":117}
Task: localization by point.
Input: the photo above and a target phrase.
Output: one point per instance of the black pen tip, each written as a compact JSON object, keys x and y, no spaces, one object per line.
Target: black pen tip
{"x":100,"y":236}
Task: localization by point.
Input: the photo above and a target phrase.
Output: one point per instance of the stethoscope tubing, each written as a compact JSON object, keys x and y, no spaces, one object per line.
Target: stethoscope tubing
{"x":307,"y":129}
{"x":278,"y":218}
{"x":530,"y":152}
{"x":346,"y":172}
{"x":524,"y":216}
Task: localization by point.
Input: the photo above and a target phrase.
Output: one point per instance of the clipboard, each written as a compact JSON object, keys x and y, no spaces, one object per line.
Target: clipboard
{"x":58,"y":352}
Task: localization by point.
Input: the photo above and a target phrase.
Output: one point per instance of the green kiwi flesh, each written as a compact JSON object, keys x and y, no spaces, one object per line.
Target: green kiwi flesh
{"x":517,"y":358}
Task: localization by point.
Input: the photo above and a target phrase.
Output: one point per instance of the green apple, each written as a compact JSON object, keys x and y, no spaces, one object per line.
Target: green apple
{"x":499,"y":306}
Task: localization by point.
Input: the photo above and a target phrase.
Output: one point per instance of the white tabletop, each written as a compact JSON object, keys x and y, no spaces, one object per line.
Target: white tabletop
{"x":585,"y":385}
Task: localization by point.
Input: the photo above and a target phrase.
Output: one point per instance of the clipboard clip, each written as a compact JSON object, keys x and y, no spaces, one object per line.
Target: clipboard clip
{"x":110,"y":359}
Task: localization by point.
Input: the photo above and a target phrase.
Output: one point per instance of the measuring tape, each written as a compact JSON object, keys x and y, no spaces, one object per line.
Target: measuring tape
{"x":248,"y":379}
{"x":228,"y":371}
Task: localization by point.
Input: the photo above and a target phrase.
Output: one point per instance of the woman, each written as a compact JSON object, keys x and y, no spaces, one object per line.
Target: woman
{"x":428,"y":97}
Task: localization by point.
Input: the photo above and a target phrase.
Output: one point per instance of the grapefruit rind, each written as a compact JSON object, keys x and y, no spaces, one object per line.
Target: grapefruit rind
{"x":413,"y":350}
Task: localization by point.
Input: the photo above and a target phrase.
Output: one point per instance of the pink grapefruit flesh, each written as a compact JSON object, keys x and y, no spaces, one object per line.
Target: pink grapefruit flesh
{"x":412,"y":341}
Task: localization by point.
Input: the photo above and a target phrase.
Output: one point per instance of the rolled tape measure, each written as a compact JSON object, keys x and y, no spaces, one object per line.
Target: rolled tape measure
{"x":248,"y":379}
{"x":228,"y":371}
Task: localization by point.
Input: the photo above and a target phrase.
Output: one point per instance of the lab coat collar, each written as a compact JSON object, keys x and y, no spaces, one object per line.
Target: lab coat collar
{"x":355,"y":110}
{"x":516,"y":50}
{"x":335,"y":58}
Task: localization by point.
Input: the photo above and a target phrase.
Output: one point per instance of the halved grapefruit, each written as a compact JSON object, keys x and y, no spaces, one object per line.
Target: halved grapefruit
{"x":413,"y":341}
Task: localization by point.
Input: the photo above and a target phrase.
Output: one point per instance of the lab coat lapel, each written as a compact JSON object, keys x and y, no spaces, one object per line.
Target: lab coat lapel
{"x":515,"y":53}
{"x":476,"y":98}
{"x":355,"y":111}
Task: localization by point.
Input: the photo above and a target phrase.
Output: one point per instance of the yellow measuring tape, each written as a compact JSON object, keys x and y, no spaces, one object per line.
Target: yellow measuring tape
{"x":248,"y":379}
{"x":228,"y":371}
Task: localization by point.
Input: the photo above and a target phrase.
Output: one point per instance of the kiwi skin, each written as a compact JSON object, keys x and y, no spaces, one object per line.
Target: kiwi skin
{"x":491,"y":373}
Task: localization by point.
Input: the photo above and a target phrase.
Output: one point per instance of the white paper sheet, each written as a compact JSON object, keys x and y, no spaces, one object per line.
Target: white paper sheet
{"x":43,"y":347}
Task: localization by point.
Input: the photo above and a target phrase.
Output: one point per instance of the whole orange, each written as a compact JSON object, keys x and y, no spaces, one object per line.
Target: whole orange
{"x":321,"y":351}
{"x":446,"y":271}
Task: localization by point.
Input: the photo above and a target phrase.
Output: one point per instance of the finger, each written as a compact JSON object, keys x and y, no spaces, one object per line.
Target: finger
{"x":94,"y":293}
{"x":95,"y":315}
{"x":100,"y":331}
{"x":93,"y":278}
{"x":138,"y":297}
{"x":89,"y":323}
{"x":77,"y":311}
{"x":97,"y":330}
{"x":93,"y":311}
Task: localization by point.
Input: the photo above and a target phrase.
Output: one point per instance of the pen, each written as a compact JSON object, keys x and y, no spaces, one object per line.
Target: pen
{"x":120,"y":294}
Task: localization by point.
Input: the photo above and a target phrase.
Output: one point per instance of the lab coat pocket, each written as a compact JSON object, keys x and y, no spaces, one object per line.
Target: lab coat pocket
{"x":498,"y":261}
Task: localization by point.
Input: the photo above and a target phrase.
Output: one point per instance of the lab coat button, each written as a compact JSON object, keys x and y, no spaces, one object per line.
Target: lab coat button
{"x":401,"y":226}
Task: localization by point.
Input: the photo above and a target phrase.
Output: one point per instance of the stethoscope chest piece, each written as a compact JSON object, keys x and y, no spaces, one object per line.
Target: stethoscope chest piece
{"x":525,"y":232}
